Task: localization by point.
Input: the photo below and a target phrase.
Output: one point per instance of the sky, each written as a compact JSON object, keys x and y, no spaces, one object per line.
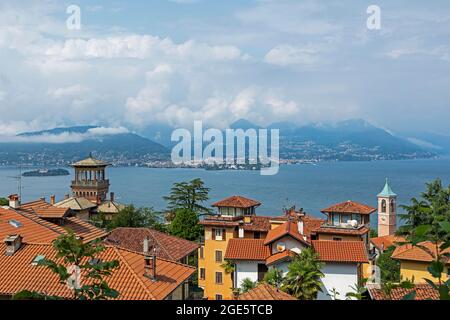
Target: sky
{"x":137,"y":64}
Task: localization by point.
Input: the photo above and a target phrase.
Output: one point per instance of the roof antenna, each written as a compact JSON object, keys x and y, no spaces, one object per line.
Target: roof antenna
{"x":19,"y":181}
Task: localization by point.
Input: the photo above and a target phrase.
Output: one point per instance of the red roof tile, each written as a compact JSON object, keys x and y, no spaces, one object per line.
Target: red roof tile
{"x":237,"y":202}
{"x":350,"y":207}
{"x":278,"y":257}
{"x":425,"y":253}
{"x":341,"y":231}
{"x":167,"y":246}
{"x":288,"y":228}
{"x":386,"y":241}
{"x":423,"y":292}
{"x":247,"y":249}
{"x":19,"y":274}
{"x":341,"y":251}
{"x":265,"y":291}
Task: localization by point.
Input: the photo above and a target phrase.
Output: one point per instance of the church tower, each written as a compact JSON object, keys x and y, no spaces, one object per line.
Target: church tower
{"x":387,"y":210}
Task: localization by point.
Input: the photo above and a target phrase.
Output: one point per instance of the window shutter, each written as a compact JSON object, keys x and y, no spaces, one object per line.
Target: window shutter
{"x":213,"y":234}
{"x":224,"y":233}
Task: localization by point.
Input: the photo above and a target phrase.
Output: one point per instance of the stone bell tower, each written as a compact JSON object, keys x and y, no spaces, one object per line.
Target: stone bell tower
{"x":387,"y":211}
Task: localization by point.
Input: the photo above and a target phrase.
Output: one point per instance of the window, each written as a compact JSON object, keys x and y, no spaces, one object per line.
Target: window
{"x":392,"y":205}
{"x":383,"y":206}
{"x":337,"y":239}
{"x":219,"y":279}
{"x":219,"y":297}
{"x":336,"y":218}
{"x":257,"y":235}
{"x":448,"y":272}
{"x":218,"y":256}
{"x":262,"y":270}
{"x":218,"y":234}
{"x":281,"y":246}
{"x":202,"y":274}
{"x":345,"y":218}
{"x":202,"y":249}
{"x":356,"y":217}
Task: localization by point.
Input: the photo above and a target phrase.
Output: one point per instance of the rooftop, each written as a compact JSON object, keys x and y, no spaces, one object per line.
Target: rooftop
{"x":278,"y":257}
{"x":237,"y":202}
{"x":265,"y":291}
{"x":350,"y":207}
{"x":386,"y":241}
{"x":19,"y":274}
{"x":90,"y":162}
{"x":423,"y":292}
{"x":247,"y":249}
{"x":387,"y":191}
{"x":76,"y":203}
{"x":341,"y":251}
{"x":167,"y":246}
{"x":289,"y":228}
{"x":424,"y":253}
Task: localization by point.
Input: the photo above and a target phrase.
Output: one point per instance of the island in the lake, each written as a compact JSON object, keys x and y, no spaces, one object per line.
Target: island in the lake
{"x":46,"y":173}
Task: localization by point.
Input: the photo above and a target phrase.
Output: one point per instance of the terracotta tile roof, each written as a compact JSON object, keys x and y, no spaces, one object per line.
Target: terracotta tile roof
{"x":341,"y":251}
{"x":167,"y":246}
{"x":35,"y":229}
{"x":386,"y":241}
{"x":288,"y":228}
{"x":237,"y":202}
{"x":44,"y":209}
{"x":350,"y":207}
{"x":76,"y":203}
{"x":84,"y":229}
{"x":90,"y":162}
{"x":423,"y":292}
{"x":341,"y":231}
{"x":258,"y":223}
{"x":109,"y":206}
{"x":413,"y":253}
{"x":286,"y":255}
{"x":310,"y":224}
{"x":19,"y":274}
{"x":247,"y":249}
{"x":265,"y":291}
{"x":29,"y":229}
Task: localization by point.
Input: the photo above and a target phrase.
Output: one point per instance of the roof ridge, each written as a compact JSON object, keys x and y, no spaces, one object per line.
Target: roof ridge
{"x":25,"y":215}
{"x":159,"y":244}
{"x":139,"y":280}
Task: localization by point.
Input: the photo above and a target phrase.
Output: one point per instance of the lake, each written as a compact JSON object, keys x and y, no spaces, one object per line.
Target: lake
{"x":312,"y":187}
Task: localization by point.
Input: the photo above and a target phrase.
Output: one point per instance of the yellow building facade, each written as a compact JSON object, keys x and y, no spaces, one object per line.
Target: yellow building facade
{"x":417,"y":271}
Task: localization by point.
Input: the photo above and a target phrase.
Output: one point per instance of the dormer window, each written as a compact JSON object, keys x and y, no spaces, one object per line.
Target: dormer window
{"x":281,"y":246}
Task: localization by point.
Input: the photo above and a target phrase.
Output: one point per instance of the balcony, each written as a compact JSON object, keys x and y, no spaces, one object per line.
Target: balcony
{"x":90,"y":183}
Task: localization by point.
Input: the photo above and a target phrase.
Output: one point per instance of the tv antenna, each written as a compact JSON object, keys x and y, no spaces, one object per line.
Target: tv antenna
{"x":18,"y":178}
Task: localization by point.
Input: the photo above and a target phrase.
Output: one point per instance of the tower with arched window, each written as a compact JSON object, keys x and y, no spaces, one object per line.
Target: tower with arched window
{"x":90,"y":180}
{"x":387,"y":211}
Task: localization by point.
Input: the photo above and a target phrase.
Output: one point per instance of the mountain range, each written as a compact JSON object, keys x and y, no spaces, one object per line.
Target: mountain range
{"x":347,"y":140}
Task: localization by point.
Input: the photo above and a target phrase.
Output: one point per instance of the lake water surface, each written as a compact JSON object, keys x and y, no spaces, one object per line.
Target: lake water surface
{"x":312,"y":187}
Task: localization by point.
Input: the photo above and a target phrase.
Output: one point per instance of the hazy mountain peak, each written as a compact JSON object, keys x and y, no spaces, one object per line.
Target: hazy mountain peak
{"x":243,"y":124}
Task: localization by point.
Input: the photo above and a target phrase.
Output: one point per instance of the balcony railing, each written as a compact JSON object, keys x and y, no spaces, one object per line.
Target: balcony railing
{"x":90,"y":183}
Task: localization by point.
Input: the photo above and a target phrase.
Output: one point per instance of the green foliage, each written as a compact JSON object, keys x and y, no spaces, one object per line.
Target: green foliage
{"x":428,"y":220}
{"x":247,"y":285}
{"x":390,"y":268}
{"x":274,"y":277}
{"x":186,"y":225}
{"x":359,"y":291}
{"x":228,"y":266}
{"x":84,"y":258}
{"x":373,"y":233}
{"x":189,"y":196}
{"x":131,"y":217}
{"x":303,"y":278}
{"x":4,"y":202}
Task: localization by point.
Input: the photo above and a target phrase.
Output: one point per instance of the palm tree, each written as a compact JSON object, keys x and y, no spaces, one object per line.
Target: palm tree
{"x":229,"y":268}
{"x":303,"y":278}
{"x":247,"y":285}
{"x":274,"y":277}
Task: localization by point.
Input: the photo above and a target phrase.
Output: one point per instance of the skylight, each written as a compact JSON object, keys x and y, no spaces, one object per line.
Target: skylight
{"x":37,"y":259}
{"x":15,"y":223}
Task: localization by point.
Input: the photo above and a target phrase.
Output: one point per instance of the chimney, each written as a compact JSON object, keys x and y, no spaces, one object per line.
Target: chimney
{"x":52,"y":199}
{"x":42,"y":198}
{"x":13,"y":243}
{"x":300,"y":226}
{"x":14,"y":201}
{"x":150,"y":264}
{"x":111,"y":196}
{"x":67,"y":196}
{"x":241,"y":230}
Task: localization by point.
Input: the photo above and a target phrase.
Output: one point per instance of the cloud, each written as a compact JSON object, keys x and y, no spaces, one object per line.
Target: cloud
{"x":71,"y":91}
{"x":64,"y":137}
{"x":285,"y":55}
